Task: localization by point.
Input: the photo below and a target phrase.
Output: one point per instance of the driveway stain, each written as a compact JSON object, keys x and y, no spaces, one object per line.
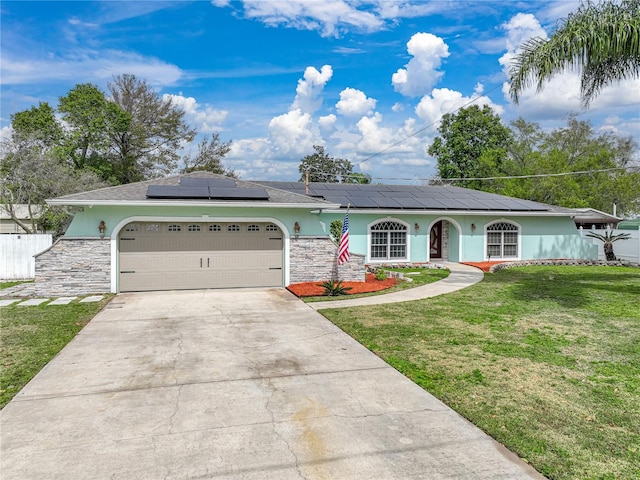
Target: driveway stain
{"x":312,"y":442}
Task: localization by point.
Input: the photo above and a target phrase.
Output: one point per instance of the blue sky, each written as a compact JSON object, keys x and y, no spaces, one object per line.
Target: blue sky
{"x":367,"y":79}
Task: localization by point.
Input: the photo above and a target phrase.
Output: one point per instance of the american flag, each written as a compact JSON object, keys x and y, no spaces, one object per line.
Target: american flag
{"x":343,"y":251}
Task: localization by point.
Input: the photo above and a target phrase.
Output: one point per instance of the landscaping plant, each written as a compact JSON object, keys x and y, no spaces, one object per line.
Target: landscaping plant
{"x":333,"y":288}
{"x":608,"y":238}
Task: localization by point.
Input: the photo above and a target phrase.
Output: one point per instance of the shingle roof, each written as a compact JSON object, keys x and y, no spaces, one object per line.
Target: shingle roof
{"x":137,"y":192}
{"x":410,"y":197}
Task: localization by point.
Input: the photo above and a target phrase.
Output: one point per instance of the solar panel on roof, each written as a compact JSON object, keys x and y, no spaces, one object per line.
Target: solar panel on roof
{"x":359,"y":193}
{"x":493,"y":205}
{"x":207,"y":182}
{"x":238,"y":193}
{"x":398,"y":195}
{"x":337,"y":198}
{"x":206,"y":192}
{"x":384,"y":202}
{"x":364,"y":202}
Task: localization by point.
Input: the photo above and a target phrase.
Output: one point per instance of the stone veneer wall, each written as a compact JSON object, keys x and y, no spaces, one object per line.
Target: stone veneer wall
{"x":74,"y":266}
{"x":313,"y":259}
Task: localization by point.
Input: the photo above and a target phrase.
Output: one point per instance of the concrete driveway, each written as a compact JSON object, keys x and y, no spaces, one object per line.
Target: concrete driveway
{"x":238,"y":384}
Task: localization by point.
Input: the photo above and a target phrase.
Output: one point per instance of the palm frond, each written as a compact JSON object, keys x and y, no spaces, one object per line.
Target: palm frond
{"x":602,"y":39}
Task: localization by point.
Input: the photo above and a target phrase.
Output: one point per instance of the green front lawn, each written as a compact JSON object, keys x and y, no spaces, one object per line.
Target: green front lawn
{"x":31,"y":336}
{"x":544,"y":359}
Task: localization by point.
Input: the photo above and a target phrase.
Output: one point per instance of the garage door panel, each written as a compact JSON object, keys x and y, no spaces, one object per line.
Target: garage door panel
{"x":163,"y":256}
{"x":198,"y":244}
{"x":160,"y":261}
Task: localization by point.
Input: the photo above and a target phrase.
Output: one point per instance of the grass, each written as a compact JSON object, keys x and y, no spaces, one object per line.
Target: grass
{"x":544,"y":359}
{"x":31,"y":336}
{"x":419,"y":276}
{"x":4,"y":285}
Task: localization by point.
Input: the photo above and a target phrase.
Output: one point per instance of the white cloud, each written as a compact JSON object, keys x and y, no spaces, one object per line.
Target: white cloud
{"x":329,"y":17}
{"x":443,"y":100}
{"x":291,"y":133}
{"x":520,"y":28}
{"x":397,"y":107}
{"x":5,"y":134}
{"x":86,"y":66}
{"x":421,"y":73}
{"x":620,"y":126}
{"x":327,"y":121}
{"x":206,"y":118}
{"x":374,"y":137}
{"x":310,"y":87}
{"x":355,"y":103}
{"x":552,"y":11}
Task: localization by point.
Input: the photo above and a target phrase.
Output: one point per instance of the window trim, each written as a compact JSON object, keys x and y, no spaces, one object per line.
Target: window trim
{"x":407,"y":244}
{"x":518,"y":255}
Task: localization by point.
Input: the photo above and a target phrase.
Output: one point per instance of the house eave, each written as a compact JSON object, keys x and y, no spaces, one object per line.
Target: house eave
{"x":504,"y":213}
{"x":199,"y":204}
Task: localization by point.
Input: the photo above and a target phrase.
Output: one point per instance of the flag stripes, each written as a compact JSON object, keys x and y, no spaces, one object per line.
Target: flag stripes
{"x":343,"y":251}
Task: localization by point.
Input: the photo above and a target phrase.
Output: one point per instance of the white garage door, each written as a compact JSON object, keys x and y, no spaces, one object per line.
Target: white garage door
{"x":184,"y":255}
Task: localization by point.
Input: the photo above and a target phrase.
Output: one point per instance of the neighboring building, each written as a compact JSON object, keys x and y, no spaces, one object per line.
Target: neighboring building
{"x":630,"y":224}
{"x":8,"y":224}
{"x":590,"y":219}
{"x":202,"y":230}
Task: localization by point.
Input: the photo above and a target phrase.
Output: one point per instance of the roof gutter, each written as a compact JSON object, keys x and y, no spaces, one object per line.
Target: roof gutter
{"x":399,"y":211}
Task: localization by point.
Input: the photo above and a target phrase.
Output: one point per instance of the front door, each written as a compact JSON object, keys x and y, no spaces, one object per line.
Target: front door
{"x":435,"y":241}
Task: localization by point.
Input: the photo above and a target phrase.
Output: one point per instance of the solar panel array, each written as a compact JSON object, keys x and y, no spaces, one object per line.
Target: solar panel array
{"x":206,"y":189}
{"x":410,"y":197}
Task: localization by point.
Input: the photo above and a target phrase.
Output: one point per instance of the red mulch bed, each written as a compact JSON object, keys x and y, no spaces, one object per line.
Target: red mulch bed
{"x":484,"y":266}
{"x":313,"y":289}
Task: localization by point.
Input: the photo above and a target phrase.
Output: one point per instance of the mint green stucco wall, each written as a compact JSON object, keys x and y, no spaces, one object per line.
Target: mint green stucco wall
{"x":85,"y":223}
{"x":540,"y":237}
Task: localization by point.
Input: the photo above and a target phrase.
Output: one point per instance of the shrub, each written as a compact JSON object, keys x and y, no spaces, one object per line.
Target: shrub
{"x":380,"y":274}
{"x":334,"y":288}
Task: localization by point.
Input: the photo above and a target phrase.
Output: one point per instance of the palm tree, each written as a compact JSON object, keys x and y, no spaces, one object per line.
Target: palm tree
{"x":608,"y":239}
{"x":601,"y":38}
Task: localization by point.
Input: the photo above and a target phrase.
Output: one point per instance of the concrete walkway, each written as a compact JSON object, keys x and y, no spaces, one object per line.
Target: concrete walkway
{"x":461,"y":276}
{"x":233,"y":384}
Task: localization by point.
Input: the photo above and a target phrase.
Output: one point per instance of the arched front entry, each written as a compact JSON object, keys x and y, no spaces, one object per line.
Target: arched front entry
{"x":444,"y":240}
{"x":435,"y":241}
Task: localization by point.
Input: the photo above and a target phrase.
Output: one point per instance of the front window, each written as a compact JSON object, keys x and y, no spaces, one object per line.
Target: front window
{"x":502,"y":240}
{"x":388,"y":241}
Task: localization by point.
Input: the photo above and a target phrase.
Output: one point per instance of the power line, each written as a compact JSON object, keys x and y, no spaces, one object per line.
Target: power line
{"x":473,"y":100}
{"x":506,"y":177}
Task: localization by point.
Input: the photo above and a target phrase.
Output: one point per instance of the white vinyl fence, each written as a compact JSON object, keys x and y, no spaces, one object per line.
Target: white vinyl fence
{"x":16,"y":255}
{"x":628,"y":250}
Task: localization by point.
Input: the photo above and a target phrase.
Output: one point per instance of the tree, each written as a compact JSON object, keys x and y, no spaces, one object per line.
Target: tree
{"x":32,"y":173}
{"x":473,"y":144}
{"x":149,"y":146}
{"x":603,"y":39}
{"x":608,"y":238}
{"x":573,"y":148}
{"x":323,"y":168}
{"x":360,"y":178}
{"x":91,"y":121}
{"x":36,"y":125}
{"x":335,"y":230}
{"x":209,"y":157}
